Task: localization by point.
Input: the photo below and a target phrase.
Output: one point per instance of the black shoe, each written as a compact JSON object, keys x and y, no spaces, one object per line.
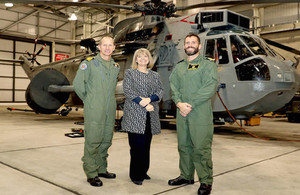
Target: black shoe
{"x":137,"y":182}
{"x":95,"y":181}
{"x":204,"y":189}
{"x":147,"y":177}
{"x":179,"y":181}
{"x":107,"y":175}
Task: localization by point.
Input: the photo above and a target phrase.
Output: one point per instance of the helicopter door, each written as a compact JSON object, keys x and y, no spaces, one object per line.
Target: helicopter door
{"x":216,"y":49}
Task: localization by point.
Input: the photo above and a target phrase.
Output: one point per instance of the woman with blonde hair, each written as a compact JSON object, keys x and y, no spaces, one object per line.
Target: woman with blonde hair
{"x":143,"y":91}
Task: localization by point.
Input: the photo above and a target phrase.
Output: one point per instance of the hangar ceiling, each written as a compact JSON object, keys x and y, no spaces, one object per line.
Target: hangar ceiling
{"x":64,"y":8}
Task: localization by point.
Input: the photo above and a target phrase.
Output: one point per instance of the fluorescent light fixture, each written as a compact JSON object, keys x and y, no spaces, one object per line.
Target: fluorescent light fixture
{"x":73,"y":17}
{"x":75,"y":0}
{"x":9,"y":4}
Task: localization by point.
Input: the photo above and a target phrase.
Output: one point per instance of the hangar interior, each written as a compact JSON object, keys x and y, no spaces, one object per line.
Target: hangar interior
{"x":21,"y":24}
{"x":36,"y":157}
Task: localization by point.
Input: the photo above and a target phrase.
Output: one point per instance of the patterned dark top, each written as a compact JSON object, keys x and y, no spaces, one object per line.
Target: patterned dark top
{"x":136,"y":84}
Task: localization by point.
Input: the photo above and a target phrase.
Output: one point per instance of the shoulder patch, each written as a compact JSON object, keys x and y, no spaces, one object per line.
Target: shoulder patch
{"x":89,"y":58}
{"x":83,"y":66}
{"x":117,"y":65}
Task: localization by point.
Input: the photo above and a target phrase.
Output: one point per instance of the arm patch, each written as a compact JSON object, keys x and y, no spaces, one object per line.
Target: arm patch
{"x":83,"y":66}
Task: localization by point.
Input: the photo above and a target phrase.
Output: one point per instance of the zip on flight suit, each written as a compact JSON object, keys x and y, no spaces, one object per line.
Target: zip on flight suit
{"x":195,"y":83}
{"x":95,"y":83}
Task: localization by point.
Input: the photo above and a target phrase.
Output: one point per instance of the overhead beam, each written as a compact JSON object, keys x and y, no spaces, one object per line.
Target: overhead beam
{"x":54,"y":29}
{"x":70,"y":3}
{"x":17,"y":22}
{"x":54,"y":12}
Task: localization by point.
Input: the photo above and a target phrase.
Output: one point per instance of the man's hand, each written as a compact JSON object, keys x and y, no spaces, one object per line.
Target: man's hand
{"x":184,"y":108}
{"x":149,"y":108}
{"x":145,"y":101}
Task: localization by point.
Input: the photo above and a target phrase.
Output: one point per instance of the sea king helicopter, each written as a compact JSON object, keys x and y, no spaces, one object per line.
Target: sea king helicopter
{"x":253,"y":78}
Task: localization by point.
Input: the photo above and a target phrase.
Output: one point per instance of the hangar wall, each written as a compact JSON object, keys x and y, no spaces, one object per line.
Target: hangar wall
{"x":18,"y":28}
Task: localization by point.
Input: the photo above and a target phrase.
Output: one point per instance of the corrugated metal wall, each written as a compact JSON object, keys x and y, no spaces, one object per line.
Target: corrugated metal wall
{"x":283,"y":13}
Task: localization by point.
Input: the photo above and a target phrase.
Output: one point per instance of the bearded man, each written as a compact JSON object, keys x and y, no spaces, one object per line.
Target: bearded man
{"x":193,"y":83}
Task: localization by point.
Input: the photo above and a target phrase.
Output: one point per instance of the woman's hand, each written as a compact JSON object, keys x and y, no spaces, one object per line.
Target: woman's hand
{"x":149,"y":108}
{"x":145,"y":101}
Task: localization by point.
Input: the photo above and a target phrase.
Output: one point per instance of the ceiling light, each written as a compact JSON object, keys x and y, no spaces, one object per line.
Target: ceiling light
{"x":73,"y":17}
{"x":75,"y":0}
{"x":9,"y":4}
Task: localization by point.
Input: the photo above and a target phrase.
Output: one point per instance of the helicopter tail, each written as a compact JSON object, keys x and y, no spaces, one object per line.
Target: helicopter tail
{"x":27,"y":66}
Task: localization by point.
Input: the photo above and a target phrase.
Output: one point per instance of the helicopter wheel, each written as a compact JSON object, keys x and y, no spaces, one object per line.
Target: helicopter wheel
{"x":65,"y":111}
{"x":37,"y":95}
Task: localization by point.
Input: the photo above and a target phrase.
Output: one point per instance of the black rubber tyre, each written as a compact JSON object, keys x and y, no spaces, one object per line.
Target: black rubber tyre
{"x":37,"y":95}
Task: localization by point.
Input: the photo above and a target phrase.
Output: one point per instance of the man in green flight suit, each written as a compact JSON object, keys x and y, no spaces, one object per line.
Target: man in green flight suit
{"x":95,"y":84}
{"x":193,"y":84}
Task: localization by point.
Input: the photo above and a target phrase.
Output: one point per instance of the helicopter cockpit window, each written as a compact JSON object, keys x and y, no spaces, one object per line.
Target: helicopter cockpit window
{"x":210,"y":48}
{"x":253,"y":70}
{"x":238,"y":49}
{"x":265,"y":46}
{"x":222,"y":51}
{"x":269,"y":50}
{"x":255,"y":47}
{"x":222,"y":54}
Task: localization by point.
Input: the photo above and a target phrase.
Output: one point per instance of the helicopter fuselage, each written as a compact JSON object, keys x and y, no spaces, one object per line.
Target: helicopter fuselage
{"x":258,"y":82}
{"x":254,"y":79}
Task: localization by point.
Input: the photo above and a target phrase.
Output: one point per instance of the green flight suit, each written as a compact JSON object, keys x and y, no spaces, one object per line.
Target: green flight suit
{"x":95,"y":83}
{"x":195,"y":83}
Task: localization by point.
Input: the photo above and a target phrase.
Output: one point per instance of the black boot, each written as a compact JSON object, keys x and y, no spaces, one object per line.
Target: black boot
{"x":204,"y":189}
{"x":107,"y":175}
{"x":95,"y":181}
{"x":179,"y":181}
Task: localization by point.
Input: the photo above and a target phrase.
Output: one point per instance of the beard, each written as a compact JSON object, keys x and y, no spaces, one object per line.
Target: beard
{"x":191,"y":53}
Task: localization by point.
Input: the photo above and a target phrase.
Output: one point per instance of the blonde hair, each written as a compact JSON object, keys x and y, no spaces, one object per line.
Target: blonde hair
{"x":144,"y":51}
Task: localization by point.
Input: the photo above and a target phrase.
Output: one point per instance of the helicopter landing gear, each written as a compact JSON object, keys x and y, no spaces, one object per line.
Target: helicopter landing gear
{"x":65,"y":111}
{"x":38,"y":96}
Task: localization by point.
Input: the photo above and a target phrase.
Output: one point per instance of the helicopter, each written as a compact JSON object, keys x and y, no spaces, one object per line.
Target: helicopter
{"x":254,"y":79}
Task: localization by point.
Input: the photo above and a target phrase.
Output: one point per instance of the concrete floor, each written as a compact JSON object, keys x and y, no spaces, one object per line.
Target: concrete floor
{"x":37,"y":158}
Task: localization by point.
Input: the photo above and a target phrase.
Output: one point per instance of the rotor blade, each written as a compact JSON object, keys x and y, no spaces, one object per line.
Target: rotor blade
{"x":281,"y":46}
{"x":44,"y":46}
{"x":35,"y":42}
{"x":11,"y":60}
{"x":28,"y":53}
{"x":32,"y":59}
{"x":69,"y":3}
{"x":220,"y":3}
{"x":37,"y":62}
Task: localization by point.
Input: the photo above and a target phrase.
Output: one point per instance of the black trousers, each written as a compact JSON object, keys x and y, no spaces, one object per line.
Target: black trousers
{"x":140,"y":152}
